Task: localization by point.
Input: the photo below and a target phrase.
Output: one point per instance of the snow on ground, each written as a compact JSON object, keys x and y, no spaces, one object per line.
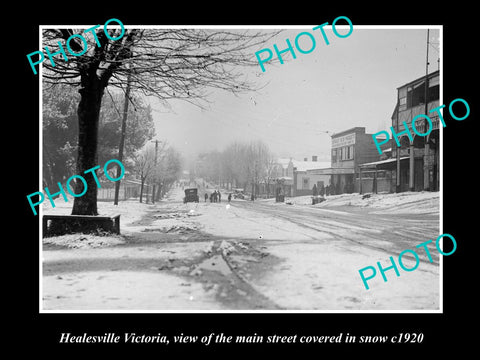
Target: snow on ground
{"x":148,"y":275}
{"x":235,"y":222}
{"x":405,"y":201}
{"x":326,"y":277}
{"x":130,"y":211}
{"x":138,"y":270}
{"x":83,"y":241}
{"x":423,"y":202}
{"x":320,"y":271}
{"x":124,"y":290}
{"x":305,"y":268}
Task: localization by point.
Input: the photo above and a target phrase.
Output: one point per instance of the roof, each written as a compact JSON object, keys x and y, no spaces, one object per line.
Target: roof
{"x":310,"y":165}
{"x":375,"y":163}
{"x":284,"y":178}
{"x":348,"y":131}
{"x":430,"y":75}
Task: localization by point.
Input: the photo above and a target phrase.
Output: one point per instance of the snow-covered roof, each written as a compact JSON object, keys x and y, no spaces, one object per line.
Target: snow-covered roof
{"x":383,"y":161}
{"x":310,"y":165}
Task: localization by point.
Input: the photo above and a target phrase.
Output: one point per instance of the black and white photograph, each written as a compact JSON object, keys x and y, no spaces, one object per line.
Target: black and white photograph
{"x":241,"y":168}
{"x":254,"y":179}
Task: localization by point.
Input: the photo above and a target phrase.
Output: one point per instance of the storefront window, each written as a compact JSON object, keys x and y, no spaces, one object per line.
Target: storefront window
{"x":350,"y":152}
{"x":343,"y":153}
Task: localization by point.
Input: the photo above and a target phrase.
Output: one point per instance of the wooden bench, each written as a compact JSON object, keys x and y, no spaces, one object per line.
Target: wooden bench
{"x":66,"y":224}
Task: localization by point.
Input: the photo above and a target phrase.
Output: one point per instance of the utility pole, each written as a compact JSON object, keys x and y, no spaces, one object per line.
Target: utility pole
{"x":426,"y":155}
{"x":426,"y":73}
{"x":122,"y":135}
{"x":154,"y":171}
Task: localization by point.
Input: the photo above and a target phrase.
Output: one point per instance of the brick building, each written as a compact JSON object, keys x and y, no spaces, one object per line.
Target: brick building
{"x":350,"y":149}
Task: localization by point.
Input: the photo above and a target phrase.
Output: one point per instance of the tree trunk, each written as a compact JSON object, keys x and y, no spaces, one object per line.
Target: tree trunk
{"x":88,"y":118}
{"x":159,"y":193}
{"x":141,"y":188}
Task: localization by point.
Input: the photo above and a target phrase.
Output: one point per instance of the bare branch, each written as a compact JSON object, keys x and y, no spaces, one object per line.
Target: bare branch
{"x":166,"y":63}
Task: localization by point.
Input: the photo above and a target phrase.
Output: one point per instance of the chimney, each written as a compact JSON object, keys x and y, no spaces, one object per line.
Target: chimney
{"x":314,"y":157}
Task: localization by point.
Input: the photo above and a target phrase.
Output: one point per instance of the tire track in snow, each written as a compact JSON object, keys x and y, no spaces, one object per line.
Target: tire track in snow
{"x":263,"y":223}
{"x":321,"y":226}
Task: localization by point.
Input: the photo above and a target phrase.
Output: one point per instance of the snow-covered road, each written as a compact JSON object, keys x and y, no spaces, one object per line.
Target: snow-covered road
{"x":327,"y":247}
{"x":250,"y":256}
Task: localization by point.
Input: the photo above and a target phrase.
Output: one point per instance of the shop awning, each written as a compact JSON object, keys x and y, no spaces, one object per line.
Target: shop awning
{"x":388,"y":164}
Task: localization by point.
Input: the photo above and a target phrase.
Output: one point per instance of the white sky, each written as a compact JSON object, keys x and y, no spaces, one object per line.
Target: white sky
{"x":351,"y":82}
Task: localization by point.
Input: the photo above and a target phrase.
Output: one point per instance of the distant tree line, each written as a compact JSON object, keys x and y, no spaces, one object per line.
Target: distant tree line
{"x":160,"y":166}
{"x":240,"y":164}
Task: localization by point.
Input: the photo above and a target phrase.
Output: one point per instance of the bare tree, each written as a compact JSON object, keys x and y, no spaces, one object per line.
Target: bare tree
{"x":270,"y":163}
{"x":168,"y":170}
{"x":167,"y":63}
{"x":144,"y":166}
{"x":257,"y":161}
{"x":244,"y":164}
{"x":241,"y":169}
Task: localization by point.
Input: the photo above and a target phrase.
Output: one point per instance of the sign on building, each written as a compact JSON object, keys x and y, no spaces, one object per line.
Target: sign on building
{"x":344,"y":140}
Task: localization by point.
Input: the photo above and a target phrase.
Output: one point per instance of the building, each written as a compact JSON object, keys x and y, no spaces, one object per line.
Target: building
{"x":291,"y":177}
{"x":422,"y":170}
{"x":306,"y":174}
{"x":350,"y":149}
{"x":416,"y":162}
{"x":279,"y":181}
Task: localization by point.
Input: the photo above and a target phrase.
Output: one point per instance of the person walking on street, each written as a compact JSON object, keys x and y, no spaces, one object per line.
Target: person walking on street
{"x":219,"y":196}
{"x":229,"y":197}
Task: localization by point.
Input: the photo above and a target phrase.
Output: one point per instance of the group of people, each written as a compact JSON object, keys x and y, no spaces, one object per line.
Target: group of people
{"x":214,"y":196}
{"x":323,"y":190}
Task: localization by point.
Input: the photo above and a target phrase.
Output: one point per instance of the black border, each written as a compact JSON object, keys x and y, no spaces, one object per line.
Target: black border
{"x":441,"y":331}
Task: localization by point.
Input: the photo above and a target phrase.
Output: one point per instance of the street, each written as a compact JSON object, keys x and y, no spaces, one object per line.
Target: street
{"x":247,"y":255}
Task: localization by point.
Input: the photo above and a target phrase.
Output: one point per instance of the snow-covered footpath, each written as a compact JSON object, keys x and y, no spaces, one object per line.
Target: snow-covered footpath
{"x":85,"y":272}
{"x":423,"y":202}
{"x":288,"y":257}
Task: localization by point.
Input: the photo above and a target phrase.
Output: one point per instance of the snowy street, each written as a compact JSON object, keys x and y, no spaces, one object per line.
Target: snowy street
{"x":248,"y":255}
